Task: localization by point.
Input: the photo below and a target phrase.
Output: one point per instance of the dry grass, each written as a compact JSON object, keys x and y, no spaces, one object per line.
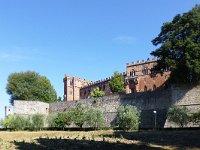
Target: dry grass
{"x":109,"y":139}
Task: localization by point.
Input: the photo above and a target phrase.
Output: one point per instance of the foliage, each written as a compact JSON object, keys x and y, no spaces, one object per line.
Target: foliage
{"x":179,"y":42}
{"x":178,"y":115}
{"x":51,"y":120}
{"x":97,"y":92}
{"x":37,"y":121}
{"x":116,"y":83}
{"x":59,"y":99}
{"x":195,"y":118}
{"x":95,"y":118}
{"x":79,"y":115}
{"x":128,"y":117}
{"x":63,"y":119}
{"x":30,"y":86}
{"x":15,"y":122}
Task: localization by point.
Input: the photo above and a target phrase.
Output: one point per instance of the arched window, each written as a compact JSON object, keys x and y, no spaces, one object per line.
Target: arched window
{"x":132,"y":73}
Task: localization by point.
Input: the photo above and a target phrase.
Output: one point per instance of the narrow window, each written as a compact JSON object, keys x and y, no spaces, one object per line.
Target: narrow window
{"x":145,"y":88}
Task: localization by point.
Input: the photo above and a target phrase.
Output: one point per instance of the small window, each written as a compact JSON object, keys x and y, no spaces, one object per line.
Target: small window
{"x":145,"y":71}
{"x":132,"y":73}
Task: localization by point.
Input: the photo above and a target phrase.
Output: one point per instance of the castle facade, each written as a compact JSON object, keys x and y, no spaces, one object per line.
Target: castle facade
{"x":139,"y":77}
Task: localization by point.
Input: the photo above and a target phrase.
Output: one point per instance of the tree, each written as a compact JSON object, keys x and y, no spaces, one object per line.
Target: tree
{"x":195,"y":118}
{"x":116,"y":83}
{"x":95,"y":118}
{"x":30,"y":86}
{"x":97,"y":92}
{"x":63,"y":119}
{"x":178,"y":115}
{"x":179,"y":50}
{"x":79,"y":115}
{"x":128,"y":117}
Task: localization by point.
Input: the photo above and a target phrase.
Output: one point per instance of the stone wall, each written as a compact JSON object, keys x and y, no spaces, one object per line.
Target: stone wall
{"x":146,"y":102}
{"x":22,"y":107}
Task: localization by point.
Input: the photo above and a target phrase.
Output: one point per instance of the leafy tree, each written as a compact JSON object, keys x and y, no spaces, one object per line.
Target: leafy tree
{"x":30,"y":86}
{"x":97,"y":92}
{"x":178,"y":115}
{"x":59,"y":99}
{"x":79,"y":115}
{"x":128,"y":117}
{"x":63,"y":119}
{"x":179,"y":46}
{"x":116,"y":83}
{"x":95,"y":118}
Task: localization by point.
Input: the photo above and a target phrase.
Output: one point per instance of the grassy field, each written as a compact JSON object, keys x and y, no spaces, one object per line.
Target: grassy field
{"x":58,"y":140}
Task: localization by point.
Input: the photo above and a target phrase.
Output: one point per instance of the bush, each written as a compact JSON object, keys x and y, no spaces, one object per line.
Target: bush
{"x":179,"y":115}
{"x":37,"y":121}
{"x":95,"y":118}
{"x":15,"y":122}
{"x":97,"y":93}
{"x":195,"y":118}
{"x":128,"y":117}
{"x":63,"y":119}
{"x":51,"y":120}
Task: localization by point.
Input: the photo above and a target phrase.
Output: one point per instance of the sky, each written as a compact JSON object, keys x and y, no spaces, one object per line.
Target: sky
{"x":89,"y":39}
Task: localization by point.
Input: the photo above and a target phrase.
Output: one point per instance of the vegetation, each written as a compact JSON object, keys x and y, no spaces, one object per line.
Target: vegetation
{"x":63,"y":119}
{"x":179,"y":115}
{"x":37,"y":122}
{"x":128,"y":117}
{"x":116,"y":83}
{"x":179,"y":49}
{"x":97,"y":93}
{"x":30,"y":86}
{"x":195,"y":118}
{"x":95,"y":118}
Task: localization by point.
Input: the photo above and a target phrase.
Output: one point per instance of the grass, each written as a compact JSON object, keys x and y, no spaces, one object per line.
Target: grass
{"x":109,"y":139}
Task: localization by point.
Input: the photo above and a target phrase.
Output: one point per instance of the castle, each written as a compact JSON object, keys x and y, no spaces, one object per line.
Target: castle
{"x":139,"y":77}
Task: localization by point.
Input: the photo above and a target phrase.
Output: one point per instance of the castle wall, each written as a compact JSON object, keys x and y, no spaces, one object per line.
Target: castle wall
{"x":146,"y":102}
{"x":22,"y":107}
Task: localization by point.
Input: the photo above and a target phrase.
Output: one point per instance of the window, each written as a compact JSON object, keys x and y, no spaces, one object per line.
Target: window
{"x":153,"y":71}
{"x":104,"y":87}
{"x":145,"y":71}
{"x":132,"y":73}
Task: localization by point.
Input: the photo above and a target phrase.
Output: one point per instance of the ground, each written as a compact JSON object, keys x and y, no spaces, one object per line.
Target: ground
{"x":109,"y":139}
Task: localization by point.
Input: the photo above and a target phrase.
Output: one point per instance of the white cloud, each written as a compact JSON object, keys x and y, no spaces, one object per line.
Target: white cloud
{"x":125,"y":39}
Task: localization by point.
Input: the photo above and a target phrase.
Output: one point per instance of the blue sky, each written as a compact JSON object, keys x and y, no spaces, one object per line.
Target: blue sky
{"x":85,"y":38}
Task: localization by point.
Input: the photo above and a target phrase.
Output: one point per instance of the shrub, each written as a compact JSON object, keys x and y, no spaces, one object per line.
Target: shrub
{"x":51,"y":120}
{"x":95,"y":118}
{"x":97,"y":92}
{"x":128,"y":117}
{"x":178,"y":115}
{"x":63,"y":119}
{"x":195,"y":118}
{"x":37,"y":121}
{"x":15,"y":122}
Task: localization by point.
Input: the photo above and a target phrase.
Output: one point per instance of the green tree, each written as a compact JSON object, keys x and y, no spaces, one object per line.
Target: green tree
{"x":94,"y":118}
{"x":179,"y":46}
{"x":116,"y":83}
{"x":79,"y":115}
{"x":128,"y":117}
{"x":97,"y":92}
{"x":178,"y":115}
{"x":195,"y":118}
{"x":37,"y":121}
{"x":63,"y":119}
{"x":30,"y":86}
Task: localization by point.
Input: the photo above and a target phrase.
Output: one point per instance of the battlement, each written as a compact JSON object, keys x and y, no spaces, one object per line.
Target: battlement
{"x":76,"y":78}
{"x":141,"y":62}
{"x":102,"y":80}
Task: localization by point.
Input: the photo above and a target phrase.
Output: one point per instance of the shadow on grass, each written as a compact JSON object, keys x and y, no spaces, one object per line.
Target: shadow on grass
{"x":62,"y":144}
{"x":178,"y":138}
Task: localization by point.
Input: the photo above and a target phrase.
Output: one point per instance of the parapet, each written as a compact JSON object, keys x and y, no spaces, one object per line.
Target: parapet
{"x":141,"y":62}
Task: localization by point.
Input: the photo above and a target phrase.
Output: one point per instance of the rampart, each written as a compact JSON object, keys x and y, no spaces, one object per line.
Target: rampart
{"x":146,"y":102}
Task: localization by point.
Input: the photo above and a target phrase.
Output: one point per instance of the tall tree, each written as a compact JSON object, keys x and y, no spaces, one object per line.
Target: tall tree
{"x":30,"y":86}
{"x":179,"y":46}
{"x":116,"y":83}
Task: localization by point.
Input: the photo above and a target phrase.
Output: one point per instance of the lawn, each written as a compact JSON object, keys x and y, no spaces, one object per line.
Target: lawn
{"x":108,"y":139}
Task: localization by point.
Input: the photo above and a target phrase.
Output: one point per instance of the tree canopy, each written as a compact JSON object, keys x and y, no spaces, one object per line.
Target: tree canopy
{"x":116,"y":83}
{"x":179,"y":46}
{"x":30,"y":86}
{"x":97,"y":92}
